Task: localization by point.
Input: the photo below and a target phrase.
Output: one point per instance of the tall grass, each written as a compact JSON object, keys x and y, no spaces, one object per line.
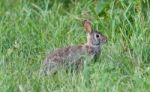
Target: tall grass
{"x":30,"y":29}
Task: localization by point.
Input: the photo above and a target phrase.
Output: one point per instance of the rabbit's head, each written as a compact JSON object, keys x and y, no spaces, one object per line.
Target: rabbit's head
{"x":94,"y":38}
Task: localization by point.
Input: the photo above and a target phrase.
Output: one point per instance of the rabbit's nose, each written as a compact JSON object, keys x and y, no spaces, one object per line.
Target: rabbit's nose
{"x":104,"y":39}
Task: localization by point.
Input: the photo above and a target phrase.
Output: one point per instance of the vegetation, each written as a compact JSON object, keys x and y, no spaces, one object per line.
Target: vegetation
{"x":29,"y":29}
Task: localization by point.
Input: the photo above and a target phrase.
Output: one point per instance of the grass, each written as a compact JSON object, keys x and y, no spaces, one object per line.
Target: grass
{"x":30,"y":29}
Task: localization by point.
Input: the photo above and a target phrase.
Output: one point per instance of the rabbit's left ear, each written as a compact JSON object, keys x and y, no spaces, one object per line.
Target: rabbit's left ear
{"x":87,"y":26}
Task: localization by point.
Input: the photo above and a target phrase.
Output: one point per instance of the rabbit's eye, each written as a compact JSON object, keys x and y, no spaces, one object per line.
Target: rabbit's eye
{"x":97,"y":36}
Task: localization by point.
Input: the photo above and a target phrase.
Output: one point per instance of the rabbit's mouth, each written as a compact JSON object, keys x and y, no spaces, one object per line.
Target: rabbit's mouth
{"x":96,"y":45}
{"x":99,"y":43}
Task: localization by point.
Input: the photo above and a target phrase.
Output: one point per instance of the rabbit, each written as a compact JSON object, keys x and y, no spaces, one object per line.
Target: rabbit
{"x":78,"y":54}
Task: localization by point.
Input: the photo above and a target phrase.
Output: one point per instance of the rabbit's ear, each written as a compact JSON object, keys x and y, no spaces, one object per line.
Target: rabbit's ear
{"x":87,"y":26}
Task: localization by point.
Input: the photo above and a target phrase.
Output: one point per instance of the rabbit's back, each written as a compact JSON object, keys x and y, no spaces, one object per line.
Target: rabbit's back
{"x":69,"y":54}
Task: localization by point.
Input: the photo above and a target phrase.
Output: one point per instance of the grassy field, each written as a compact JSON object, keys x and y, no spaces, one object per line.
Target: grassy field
{"x":29,"y":29}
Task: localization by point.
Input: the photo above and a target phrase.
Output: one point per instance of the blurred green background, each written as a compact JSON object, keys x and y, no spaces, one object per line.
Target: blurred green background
{"x":29,"y":29}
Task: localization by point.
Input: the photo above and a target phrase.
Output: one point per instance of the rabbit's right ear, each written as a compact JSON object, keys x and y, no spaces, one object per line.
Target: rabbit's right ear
{"x":87,"y":26}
